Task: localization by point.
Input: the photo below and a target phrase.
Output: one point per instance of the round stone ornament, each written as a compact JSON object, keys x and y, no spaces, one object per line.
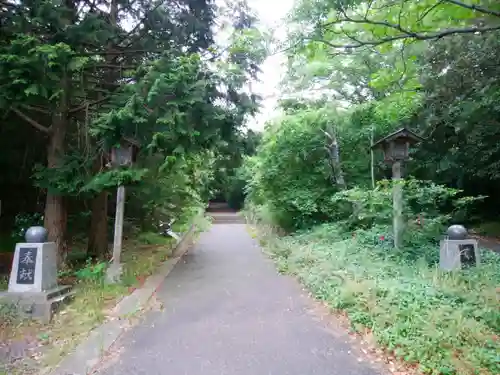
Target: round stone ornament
{"x":36,"y":235}
{"x":456,"y":232}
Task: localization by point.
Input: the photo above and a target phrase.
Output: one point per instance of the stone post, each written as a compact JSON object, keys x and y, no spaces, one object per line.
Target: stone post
{"x":33,"y":289}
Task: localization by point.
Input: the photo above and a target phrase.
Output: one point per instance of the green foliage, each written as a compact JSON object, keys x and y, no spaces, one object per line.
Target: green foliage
{"x":235,"y":195}
{"x":170,"y":192}
{"x":361,"y":208}
{"x":113,"y":178}
{"x":291,"y":172}
{"x":376,"y":72}
{"x":412,"y":308}
{"x":152,"y":238}
{"x":229,"y":181}
{"x":24,"y":66}
{"x":75,"y":81}
{"x":92,"y":272}
{"x":392,"y":77}
{"x":387,"y":24}
{"x":170,"y":108}
{"x":364,"y":208}
{"x":4,"y":283}
{"x":74,"y":177}
{"x":461,"y":147}
{"x":22,"y":222}
{"x":422,"y":315}
{"x":69,"y":179}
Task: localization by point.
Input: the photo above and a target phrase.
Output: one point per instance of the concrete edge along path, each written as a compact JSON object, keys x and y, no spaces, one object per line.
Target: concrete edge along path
{"x":227,"y":311}
{"x":89,"y":353}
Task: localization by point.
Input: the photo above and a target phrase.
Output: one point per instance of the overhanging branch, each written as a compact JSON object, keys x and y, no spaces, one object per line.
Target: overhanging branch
{"x":89,"y":104}
{"x":477,"y":8}
{"x":118,"y":52}
{"x":402,"y":32}
{"x":410,"y":35}
{"x":35,"y":109}
{"x":32,"y":122}
{"x":111,"y":66}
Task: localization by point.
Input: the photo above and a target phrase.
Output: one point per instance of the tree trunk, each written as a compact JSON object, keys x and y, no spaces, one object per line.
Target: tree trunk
{"x":55,"y":222}
{"x":332,"y":147}
{"x":55,"y":218}
{"x":98,"y":236}
{"x":338,"y":168}
{"x":372,"y":157}
{"x":56,"y":215}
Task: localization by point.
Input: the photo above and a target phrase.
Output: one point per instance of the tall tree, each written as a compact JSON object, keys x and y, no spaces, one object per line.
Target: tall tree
{"x":60,"y":61}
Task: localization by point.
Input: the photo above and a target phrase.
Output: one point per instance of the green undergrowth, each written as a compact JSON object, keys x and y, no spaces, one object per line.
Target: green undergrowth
{"x":92,"y":303}
{"x":447,"y":323}
{"x":94,"y":298}
{"x":4,"y":282}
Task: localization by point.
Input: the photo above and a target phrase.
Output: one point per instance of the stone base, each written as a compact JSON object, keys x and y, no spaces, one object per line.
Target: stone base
{"x":450,"y":253}
{"x":114,"y":273}
{"x":37,"y":305}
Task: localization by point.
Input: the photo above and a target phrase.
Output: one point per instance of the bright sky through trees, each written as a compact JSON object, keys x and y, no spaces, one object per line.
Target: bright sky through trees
{"x":270,"y":14}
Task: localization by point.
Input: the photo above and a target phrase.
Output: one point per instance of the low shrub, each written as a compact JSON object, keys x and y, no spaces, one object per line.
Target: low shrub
{"x":447,"y":323}
{"x":92,"y":272}
{"x":152,"y":238}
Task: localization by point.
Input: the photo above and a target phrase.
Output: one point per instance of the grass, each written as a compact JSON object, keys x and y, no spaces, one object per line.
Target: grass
{"x":444,"y":323}
{"x":95,"y":299}
{"x":92,"y":302}
{"x":4,"y":283}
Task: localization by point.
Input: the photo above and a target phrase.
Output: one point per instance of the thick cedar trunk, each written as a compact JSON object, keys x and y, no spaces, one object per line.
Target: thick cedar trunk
{"x":56,"y":215}
{"x":55,"y":218}
{"x":98,"y":236}
{"x":55,"y":222}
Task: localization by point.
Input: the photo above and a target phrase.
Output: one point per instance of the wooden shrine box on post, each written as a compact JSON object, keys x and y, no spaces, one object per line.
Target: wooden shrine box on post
{"x":122,"y":155}
{"x":396,"y":147}
{"x":125,"y":153}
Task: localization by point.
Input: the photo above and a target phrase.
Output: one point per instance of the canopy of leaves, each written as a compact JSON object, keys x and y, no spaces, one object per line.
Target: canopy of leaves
{"x":378,"y":66}
{"x":351,"y":24}
{"x":92,"y":72}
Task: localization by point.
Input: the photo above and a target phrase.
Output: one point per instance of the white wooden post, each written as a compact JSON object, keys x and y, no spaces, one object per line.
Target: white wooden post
{"x":372,"y":156}
{"x":114,"y":271}
{"x":397,"y":202}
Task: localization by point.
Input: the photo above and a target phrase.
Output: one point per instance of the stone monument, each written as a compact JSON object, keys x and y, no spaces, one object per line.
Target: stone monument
{"x":457,"y":250}
{"x":33,"y":291}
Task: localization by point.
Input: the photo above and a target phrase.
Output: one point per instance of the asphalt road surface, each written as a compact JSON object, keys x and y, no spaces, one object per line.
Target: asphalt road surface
{"x":227,"y":312}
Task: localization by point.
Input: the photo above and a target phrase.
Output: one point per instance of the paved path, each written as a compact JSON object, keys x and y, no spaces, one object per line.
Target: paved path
{"x":228,"y":312}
